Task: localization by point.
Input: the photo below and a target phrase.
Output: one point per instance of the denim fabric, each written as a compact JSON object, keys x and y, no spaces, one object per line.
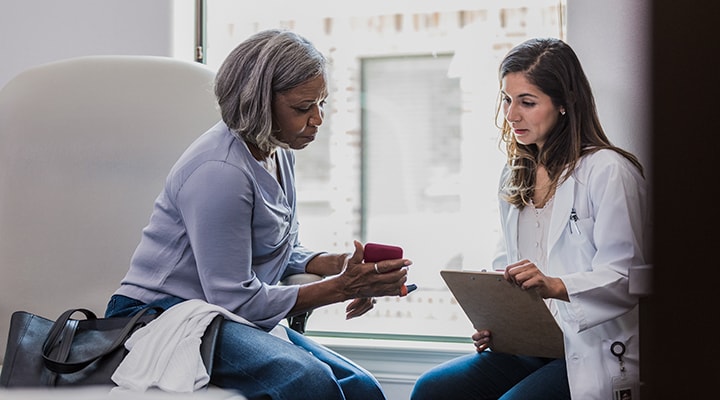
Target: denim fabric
{"x":121,"y":306}
{"x":488,"y":375}
{"x":262,"y":366}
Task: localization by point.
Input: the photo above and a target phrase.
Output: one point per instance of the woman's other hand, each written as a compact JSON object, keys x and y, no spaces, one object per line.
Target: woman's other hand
{"x":359,"y":307}
{"x":481,"y":340}
{"x":527,"y":275}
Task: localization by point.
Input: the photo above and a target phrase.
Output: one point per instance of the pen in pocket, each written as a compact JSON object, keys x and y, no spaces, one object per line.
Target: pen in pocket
{"x":573,"y":222}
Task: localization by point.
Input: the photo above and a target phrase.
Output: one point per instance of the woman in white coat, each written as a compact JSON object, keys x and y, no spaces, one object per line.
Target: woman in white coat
{"x":573,"y":213}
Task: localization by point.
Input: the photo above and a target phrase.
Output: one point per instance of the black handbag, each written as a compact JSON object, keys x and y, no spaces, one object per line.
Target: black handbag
{"x":68,"y":351}
{"x":41,"y":352}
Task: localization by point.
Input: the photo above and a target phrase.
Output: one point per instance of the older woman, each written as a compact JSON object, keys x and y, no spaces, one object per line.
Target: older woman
{"x":224,"y":230}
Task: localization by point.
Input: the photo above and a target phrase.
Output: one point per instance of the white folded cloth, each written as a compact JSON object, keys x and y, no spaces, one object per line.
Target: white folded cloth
{"x":166,"y":352}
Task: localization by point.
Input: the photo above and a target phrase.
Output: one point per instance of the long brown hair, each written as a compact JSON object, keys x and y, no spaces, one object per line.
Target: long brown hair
{"x":552,"y":66}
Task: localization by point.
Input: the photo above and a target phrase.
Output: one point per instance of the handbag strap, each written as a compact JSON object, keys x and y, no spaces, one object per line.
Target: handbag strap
{"x":63,"y":350}
{"x":56,"y":332}
{"x":59,"y":364}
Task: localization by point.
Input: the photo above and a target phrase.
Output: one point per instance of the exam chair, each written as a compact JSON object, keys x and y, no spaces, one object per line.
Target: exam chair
{"x":85,"y":146}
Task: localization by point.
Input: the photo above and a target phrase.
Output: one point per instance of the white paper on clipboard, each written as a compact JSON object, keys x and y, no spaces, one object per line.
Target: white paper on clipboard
{"x":519,"y":320}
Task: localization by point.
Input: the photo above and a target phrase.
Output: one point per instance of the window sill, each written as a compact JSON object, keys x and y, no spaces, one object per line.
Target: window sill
{"x":393,"y":360}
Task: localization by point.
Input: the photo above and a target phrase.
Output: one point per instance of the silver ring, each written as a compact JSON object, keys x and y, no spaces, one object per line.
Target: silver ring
{"x":376,"y":269}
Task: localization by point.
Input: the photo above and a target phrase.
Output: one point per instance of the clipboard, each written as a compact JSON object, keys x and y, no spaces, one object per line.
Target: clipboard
{"x":519,"y":320}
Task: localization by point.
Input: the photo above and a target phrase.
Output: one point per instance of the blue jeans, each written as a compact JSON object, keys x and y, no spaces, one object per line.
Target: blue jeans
{"x":488,"y":375}
{"x":261,"y":366}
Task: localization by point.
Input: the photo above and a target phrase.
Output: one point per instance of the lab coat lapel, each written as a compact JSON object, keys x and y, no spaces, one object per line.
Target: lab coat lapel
{"x":564,"y":199}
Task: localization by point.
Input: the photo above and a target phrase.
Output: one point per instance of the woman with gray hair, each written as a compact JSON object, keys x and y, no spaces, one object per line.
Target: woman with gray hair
{"x":224,"y":230}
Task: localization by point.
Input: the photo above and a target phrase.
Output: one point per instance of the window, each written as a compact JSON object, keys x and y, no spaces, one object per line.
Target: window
{"x":408,"y":153}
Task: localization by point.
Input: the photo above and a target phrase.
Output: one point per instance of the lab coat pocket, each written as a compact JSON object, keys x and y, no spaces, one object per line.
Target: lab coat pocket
{"x":580,"y":233}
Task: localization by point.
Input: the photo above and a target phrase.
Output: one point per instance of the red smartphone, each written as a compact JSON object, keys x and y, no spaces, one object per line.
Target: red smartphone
{"x":375,"y":252}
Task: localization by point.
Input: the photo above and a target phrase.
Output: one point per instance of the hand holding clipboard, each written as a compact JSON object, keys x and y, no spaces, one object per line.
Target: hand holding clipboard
{"x":508,"y":312}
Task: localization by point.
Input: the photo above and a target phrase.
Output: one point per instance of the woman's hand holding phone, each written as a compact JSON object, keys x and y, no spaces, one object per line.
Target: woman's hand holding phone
{"x":376,"y":252}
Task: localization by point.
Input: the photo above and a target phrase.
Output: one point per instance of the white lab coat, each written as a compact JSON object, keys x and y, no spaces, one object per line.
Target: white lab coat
{"x":592,"y":255}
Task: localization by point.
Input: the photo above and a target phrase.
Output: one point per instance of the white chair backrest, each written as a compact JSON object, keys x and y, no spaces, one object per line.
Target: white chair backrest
{"x":85,"y":145}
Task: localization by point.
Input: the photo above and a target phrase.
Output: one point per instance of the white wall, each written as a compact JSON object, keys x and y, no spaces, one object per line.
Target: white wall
{"x":34,"y":32}
{"x":612,"y":40}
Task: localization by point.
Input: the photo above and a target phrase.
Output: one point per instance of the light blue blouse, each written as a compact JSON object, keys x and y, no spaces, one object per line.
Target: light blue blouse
{"x":223,"y":230}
